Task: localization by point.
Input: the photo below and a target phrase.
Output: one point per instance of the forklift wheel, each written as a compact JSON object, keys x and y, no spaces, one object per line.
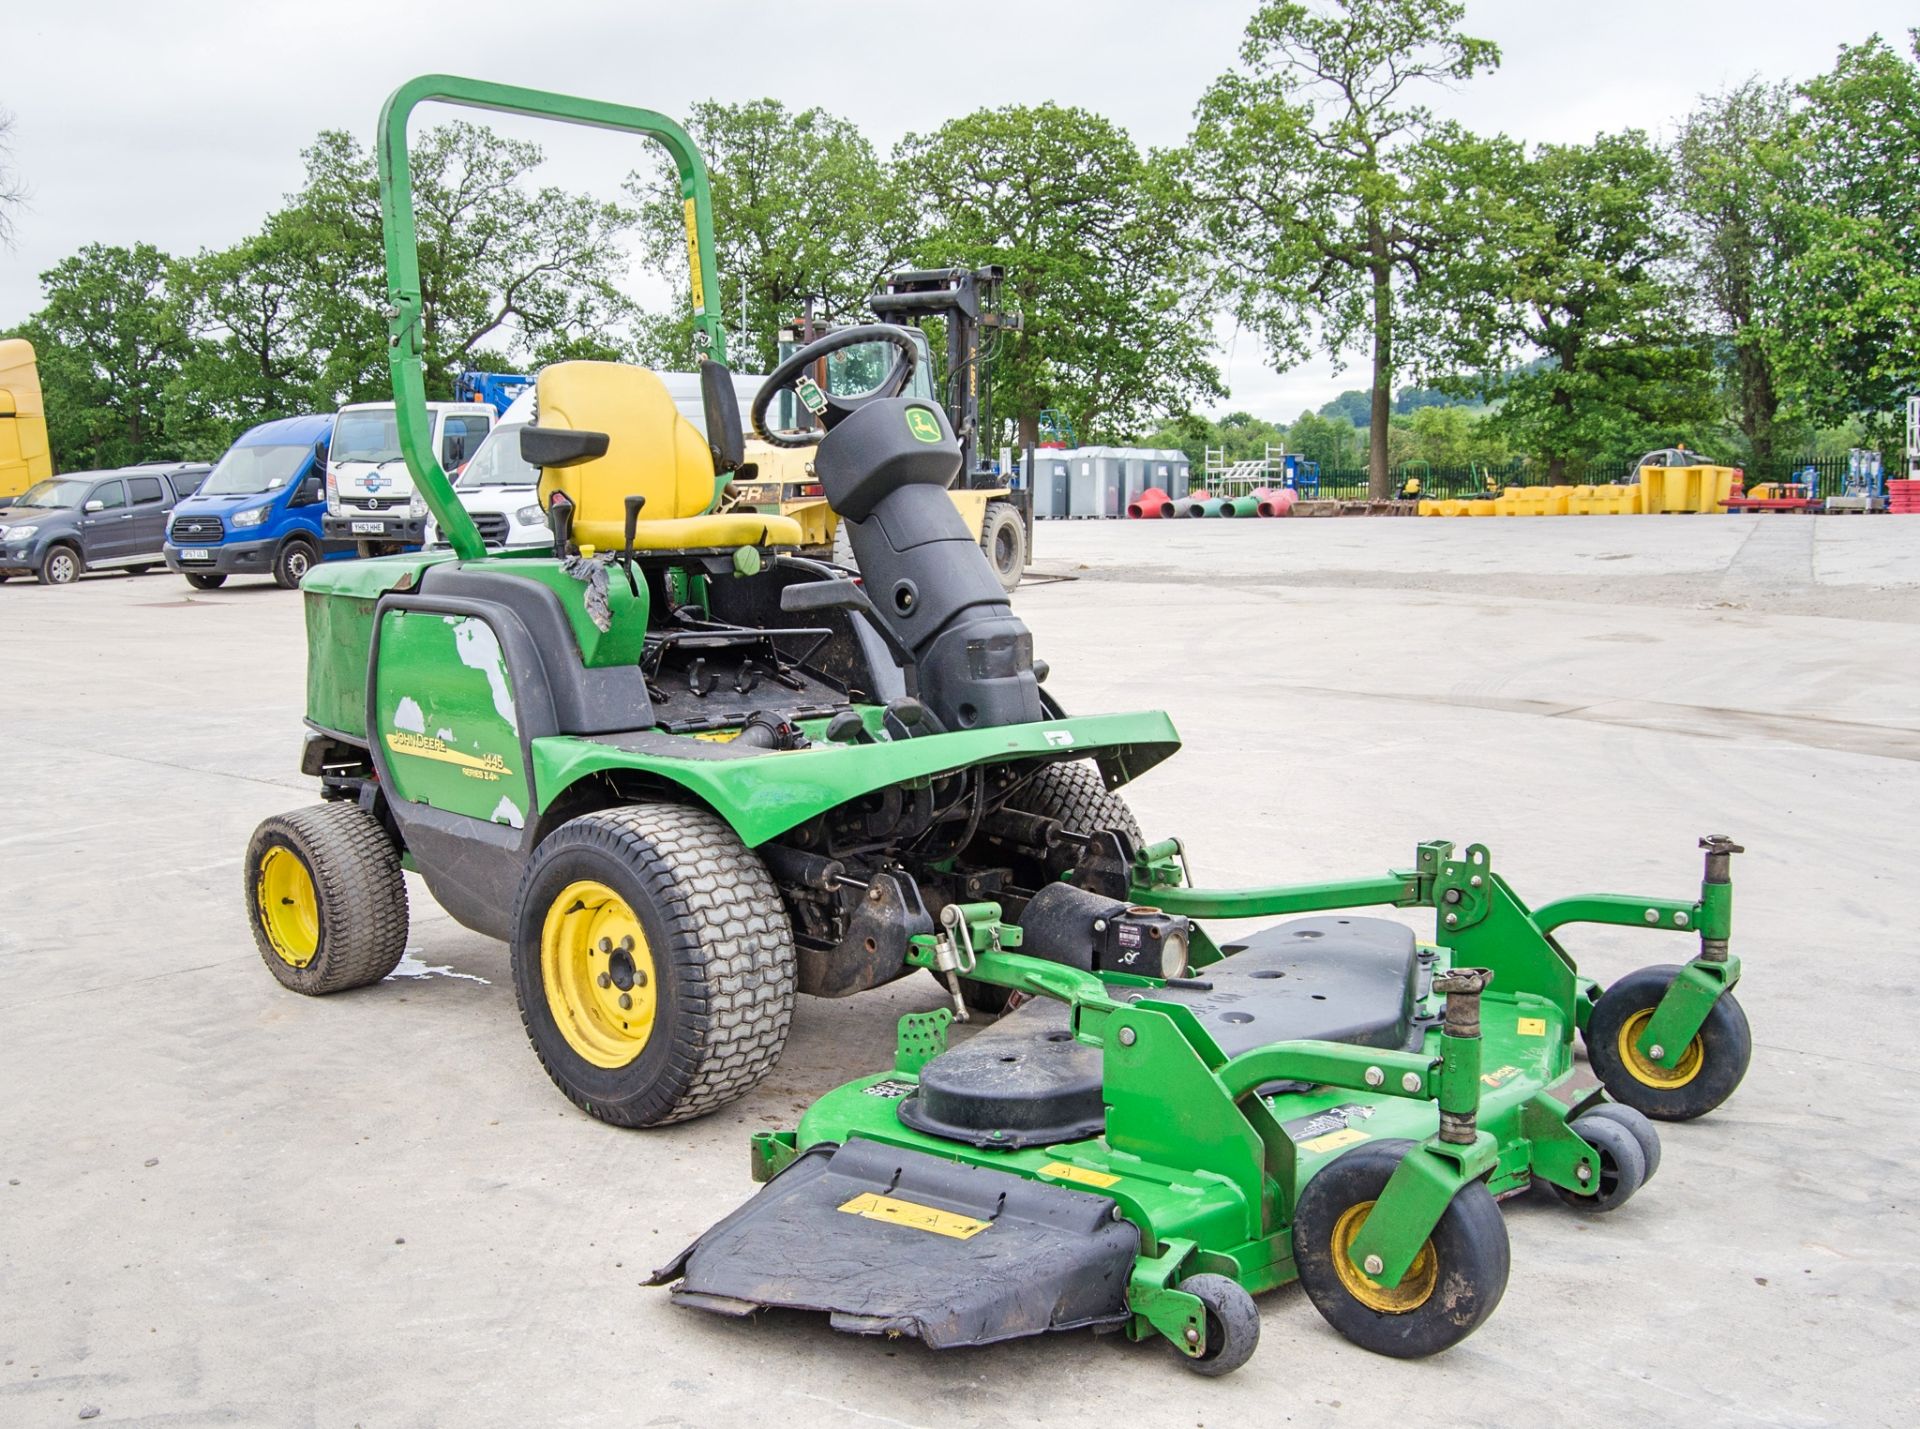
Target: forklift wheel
{"x":1079,"y":798}
{"x":1233,"y":1325}
{"x":1623,"y":1166}
{"x":653,"y":963}
{"x":1707,"y":1072}
{"x":1004,"y":539}
{"x":326,"y":900}
{"x":1453,"y":1284}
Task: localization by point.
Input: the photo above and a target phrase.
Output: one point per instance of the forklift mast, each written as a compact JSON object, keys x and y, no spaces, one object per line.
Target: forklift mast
{"x":968,"y":301}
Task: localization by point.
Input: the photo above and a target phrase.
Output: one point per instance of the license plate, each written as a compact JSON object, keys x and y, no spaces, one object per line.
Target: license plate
{"x":192,"y":555}
{"x":369,"y":528}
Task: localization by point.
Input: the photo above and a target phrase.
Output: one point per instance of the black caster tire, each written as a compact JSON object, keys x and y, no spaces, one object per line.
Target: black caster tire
{"x":1623,"y":1166}
{"x":1644,"y":1131}
{"x":653,"y":963}
{"x":326,"y":899}
{"x":205,"y":580}
{"x":1453,"y":1285}
{"x":1233,"y":1325}
{"x":1707,"y":1073}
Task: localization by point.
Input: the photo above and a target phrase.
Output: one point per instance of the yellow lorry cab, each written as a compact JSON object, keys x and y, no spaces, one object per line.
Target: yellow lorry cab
{"x":24,"y":454}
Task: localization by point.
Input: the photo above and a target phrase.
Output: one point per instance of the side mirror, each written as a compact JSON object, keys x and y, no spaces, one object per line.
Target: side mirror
{"x":310,"y":491}
{"x":93,"y":506}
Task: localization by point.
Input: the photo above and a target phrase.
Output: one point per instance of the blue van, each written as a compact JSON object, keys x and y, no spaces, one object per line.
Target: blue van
{"x":259,"y":512}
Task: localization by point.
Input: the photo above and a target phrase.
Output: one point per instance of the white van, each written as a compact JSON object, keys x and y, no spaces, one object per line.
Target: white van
{"x":370,"y":495}
{"x":498,"y":487}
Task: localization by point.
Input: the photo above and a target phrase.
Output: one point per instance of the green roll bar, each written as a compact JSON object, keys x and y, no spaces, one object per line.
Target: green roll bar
{"x":404,"y":339}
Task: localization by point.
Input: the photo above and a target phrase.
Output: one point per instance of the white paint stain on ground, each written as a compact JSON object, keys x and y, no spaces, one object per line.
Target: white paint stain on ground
{"x":507,"y":812}
{"x":409,"y":716}
{"x":412,"y":966}
{"x":479,"y":649}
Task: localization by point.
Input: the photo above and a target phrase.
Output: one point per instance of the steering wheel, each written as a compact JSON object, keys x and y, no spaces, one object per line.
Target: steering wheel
{"x":828,"y":409}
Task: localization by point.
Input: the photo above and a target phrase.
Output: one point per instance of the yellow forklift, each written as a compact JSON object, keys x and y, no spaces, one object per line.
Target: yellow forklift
{"x":779,"y":478}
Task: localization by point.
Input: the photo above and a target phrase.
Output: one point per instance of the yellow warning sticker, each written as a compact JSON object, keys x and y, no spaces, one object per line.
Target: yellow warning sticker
{"x":693,"y":260}
{"x":1080,"y":1175}
{"x":1334,"y":1140}
{"x":876,"y":1207}
{"x":1531,"y":1027}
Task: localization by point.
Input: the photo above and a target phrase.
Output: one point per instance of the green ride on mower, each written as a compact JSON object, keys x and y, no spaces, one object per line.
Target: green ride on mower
{"x":686,"y":773}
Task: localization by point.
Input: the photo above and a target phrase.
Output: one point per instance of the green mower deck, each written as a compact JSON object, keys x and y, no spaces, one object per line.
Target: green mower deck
{"x":1327,"y":1101}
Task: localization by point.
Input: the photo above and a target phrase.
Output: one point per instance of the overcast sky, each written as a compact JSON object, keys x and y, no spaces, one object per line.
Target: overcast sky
{"x":181,"y":123}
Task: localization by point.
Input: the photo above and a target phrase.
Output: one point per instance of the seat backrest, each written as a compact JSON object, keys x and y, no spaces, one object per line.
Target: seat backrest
{"x":652,"y":450}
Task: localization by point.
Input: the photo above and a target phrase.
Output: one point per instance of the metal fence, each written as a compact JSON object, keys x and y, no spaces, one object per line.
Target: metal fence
{"x":1455,"y":482}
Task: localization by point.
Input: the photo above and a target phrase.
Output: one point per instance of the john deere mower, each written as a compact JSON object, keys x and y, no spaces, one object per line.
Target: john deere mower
{"x":686,"y":772}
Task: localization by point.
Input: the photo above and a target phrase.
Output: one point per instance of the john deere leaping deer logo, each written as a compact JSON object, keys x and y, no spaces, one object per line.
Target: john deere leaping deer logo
{"x":923,"y":424}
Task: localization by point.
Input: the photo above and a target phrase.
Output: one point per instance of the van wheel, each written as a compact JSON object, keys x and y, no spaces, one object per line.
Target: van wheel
{"x":204,"y":580}
{"x":60,"y":566}
{"x":292,"y":564}
{"x":138,"y":570}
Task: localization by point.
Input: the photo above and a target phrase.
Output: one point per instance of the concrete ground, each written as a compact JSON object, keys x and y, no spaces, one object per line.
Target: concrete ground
{"x":224,"y":1204}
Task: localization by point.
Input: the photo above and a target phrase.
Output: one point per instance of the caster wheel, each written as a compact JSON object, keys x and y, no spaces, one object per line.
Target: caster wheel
{"x":1623,"y":1166}
{"x":1643,"y":1130}
{"x":1707,"y":1072}
{"x":1452,"y":1286}
{"x":1233,"y":1324}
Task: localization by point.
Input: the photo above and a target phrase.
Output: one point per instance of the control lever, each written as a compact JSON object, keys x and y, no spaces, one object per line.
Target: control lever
{"x":634,"y":503}
{"x":560,"y":522}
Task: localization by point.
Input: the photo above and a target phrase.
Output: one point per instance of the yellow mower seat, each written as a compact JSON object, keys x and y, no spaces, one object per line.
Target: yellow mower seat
{"x":652,"y":451}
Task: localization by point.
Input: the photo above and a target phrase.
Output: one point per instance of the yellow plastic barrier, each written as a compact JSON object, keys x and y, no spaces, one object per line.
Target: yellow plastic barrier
{"x":1482,"y":507}
{"x":1430,"y":508}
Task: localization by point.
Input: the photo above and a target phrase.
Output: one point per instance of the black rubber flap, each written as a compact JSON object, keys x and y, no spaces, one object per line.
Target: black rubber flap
{"x":1328,"y":979}
{"x":887,"y":1241}
{"x":1024,"y":1081}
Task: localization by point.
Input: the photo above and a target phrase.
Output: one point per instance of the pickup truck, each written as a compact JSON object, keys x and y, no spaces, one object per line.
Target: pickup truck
{"x":94,"y":520}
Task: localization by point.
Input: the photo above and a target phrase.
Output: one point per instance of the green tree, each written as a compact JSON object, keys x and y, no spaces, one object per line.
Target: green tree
{"x":1101,"y":258}
{"x":504,"y":266}
{"x":1333,"y":441}
{"x":1853,"y":287}
{"x":111,"y":344}
{"x":802,"y":208}
{"x":1354,"y":406}
{"x":1583,"y":260}
{"x":252,"y":358}
{"x":1731,"y":190}
{"x":1335,"y":199}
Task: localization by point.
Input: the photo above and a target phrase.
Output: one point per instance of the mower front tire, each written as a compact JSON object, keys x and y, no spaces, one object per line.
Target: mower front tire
{"x":1706,"y":1074}
{"x":1452,"y":1286}
{"x":653,"y":963}
{"x":326,"y":898}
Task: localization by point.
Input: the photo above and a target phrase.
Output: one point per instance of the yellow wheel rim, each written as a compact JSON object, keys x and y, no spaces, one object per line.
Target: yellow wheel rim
{"x":1415,"y":1286}
{"x":598,"y":974}
{"x":1650,"y":1072}
{"x":289,"y":908}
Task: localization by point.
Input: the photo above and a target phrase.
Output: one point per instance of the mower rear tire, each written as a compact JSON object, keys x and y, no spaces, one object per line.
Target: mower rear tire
{"x":1003,"y":537}
{"x":1452,"y":1286}
{"x":1636,"y":1122}
{"x":1623,"y":1166}
{"x":326,"y":898}
{"x":1079,"y":798}
{"x":653,"y":963}
{"x":1233,"y":1325}
{"x":1707,"y":1072}
{"x":205,"y":580}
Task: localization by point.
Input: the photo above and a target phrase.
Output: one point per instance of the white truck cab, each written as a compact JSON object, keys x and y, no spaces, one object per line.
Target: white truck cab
{"x":370,"y":495}
{"x":499,"y":489}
